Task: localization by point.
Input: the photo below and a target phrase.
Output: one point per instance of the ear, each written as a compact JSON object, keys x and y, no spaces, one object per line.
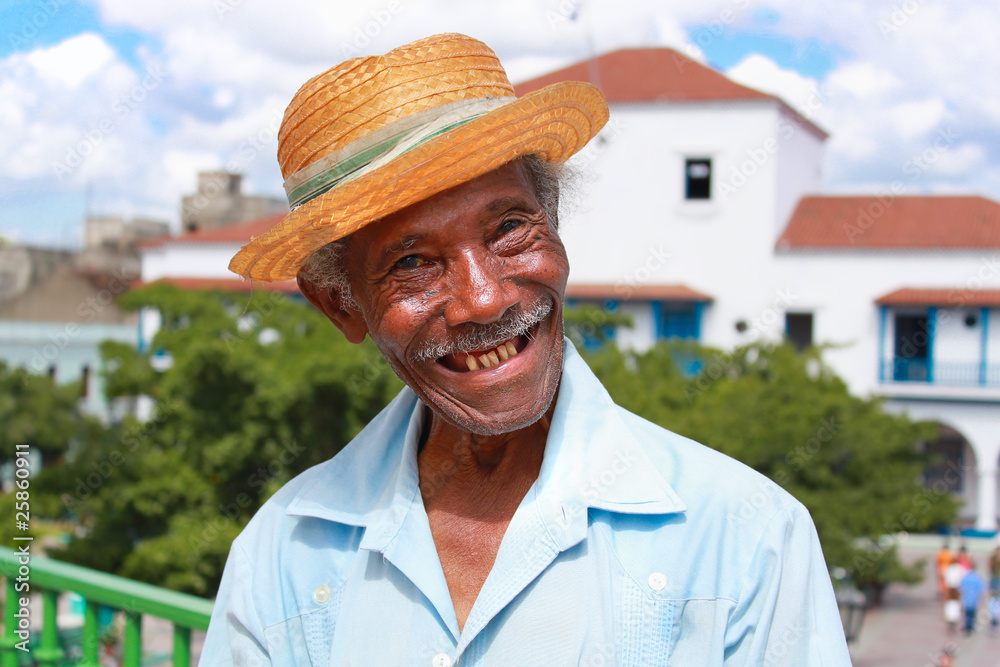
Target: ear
{"x":348,"y":320}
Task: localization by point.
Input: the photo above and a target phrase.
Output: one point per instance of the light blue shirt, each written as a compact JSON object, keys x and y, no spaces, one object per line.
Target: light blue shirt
{"x":634,"y":547}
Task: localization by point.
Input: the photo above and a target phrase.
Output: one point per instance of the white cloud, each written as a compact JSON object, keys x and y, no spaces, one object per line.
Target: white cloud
{"x":180,"y":165}
{"x":223,"y":98}
{"x":48,"y":114}
{"x":72,"y":61}
{"x":917,"y":118}
{"x":762,"y":73}
{"x":862,"y":79}
{"x":961,"y":160}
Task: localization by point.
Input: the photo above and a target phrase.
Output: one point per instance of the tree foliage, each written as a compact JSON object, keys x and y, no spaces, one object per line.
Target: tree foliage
{"x":787,"y":415}
{"x":37,"y":412}
{"x":250,"y":392}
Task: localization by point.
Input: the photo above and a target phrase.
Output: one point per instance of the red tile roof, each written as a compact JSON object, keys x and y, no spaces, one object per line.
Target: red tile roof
{"x":893,"y":222}
{"x":229,"y":284}
{"x":240,"y":233}
{"x":625,"y":292}
{"x":657,"y":74}
{"x":956,"y":297}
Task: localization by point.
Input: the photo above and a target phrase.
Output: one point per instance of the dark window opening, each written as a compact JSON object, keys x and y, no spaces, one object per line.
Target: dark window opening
{"x":698,"y":178}
{"x":910,"y":348}
{"x":799,"y":329}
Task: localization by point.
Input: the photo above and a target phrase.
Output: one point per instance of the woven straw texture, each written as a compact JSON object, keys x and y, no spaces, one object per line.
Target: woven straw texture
{"x":363,"y":95}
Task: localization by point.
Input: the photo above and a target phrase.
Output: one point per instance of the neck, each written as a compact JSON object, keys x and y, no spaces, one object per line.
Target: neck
{"x":479,"y":475}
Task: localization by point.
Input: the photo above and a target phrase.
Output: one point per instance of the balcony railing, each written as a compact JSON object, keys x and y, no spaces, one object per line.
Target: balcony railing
{"x":52,"y":578}
{"x":902,"y":369}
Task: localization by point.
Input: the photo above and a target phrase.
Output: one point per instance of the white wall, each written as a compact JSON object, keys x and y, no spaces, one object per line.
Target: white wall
{"x":188,"y":260}
{"x":954,"y":342}
{"x":633,"y":226}
{"x":799,"y":161}
{"x":641,"y":335}
{"x":993,"y":343}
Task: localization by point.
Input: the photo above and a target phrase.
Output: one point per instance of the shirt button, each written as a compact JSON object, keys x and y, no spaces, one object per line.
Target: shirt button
{"x":657,"y":581}
{"x":322,"y":593}
{"x":441,"y":660}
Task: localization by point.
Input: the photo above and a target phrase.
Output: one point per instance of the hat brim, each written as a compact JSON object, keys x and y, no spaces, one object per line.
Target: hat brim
{"x":554,"y":122}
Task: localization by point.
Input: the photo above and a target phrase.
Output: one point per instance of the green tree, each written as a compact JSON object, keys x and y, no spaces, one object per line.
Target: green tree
{"x":41,"y":417}
{"x":853,"y":465}
{"x":37,"y":412}
{"x":588,"y":325}
{"x":250,"y":391}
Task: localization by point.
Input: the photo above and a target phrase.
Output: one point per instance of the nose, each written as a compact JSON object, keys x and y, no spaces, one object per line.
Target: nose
{"x":481,"y":289}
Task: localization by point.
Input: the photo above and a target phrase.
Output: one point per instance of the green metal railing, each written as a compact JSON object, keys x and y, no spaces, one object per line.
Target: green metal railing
{"x":52,"y":577}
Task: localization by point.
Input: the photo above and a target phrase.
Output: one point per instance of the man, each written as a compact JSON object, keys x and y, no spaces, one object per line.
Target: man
{"x":971,"y":589}
{"x":501,"y":510}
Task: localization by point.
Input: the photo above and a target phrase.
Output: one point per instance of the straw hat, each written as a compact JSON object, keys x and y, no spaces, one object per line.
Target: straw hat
{"x":374,"y":135}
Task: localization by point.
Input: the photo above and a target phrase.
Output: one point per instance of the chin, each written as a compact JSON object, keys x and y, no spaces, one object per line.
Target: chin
{"x":500,"y":399}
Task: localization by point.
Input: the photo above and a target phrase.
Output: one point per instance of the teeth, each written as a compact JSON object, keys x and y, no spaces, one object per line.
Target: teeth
{"x":492,"y":358}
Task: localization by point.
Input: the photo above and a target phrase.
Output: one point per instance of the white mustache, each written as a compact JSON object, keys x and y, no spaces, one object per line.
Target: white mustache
{"x":485,"y":336}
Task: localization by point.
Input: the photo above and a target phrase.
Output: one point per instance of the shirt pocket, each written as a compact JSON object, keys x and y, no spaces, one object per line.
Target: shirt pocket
{"x":305,"y":640}
{"x":658,"y":630}
{"x":646,"y":627}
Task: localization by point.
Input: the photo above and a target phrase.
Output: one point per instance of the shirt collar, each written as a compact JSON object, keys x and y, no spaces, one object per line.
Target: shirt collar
{"x":592,"y":459}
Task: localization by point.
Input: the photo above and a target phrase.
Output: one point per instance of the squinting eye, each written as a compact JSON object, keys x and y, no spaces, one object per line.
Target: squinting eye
{"x":410,"y":262}
{"x":510,"y":225}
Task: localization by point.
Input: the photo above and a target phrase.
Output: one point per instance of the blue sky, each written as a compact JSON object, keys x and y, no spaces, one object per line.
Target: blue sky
{"x":807,"y":56}
{"x":39,"y":24}
{"x":112,"y":106}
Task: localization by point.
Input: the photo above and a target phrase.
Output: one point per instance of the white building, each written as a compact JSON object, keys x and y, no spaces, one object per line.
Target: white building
{"x":200,"y":260}
{"x":702,"y":222}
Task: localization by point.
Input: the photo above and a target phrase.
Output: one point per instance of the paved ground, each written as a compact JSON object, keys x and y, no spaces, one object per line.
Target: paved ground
{"x":909,"y":629}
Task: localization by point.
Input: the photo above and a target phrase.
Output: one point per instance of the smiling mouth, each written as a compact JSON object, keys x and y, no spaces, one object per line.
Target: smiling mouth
{"x":475,"y":360}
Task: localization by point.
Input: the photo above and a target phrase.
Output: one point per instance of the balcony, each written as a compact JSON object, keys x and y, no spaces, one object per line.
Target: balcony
{"x":933,"y":352}
{"x":917,"y":370}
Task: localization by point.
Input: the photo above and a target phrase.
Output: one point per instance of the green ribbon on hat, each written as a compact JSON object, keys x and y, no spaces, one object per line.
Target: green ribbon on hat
{"x":378,"y":148}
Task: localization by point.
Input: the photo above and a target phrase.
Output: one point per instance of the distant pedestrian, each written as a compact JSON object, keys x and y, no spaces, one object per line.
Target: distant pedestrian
{"x":963,"y":558}
{"x":952,"y":615}
{"x":994,"y":607}
{"x":953,"y":575}
{"x":971,"y":590}
{"x":995,"y":572}
{"x":944,"y":558}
